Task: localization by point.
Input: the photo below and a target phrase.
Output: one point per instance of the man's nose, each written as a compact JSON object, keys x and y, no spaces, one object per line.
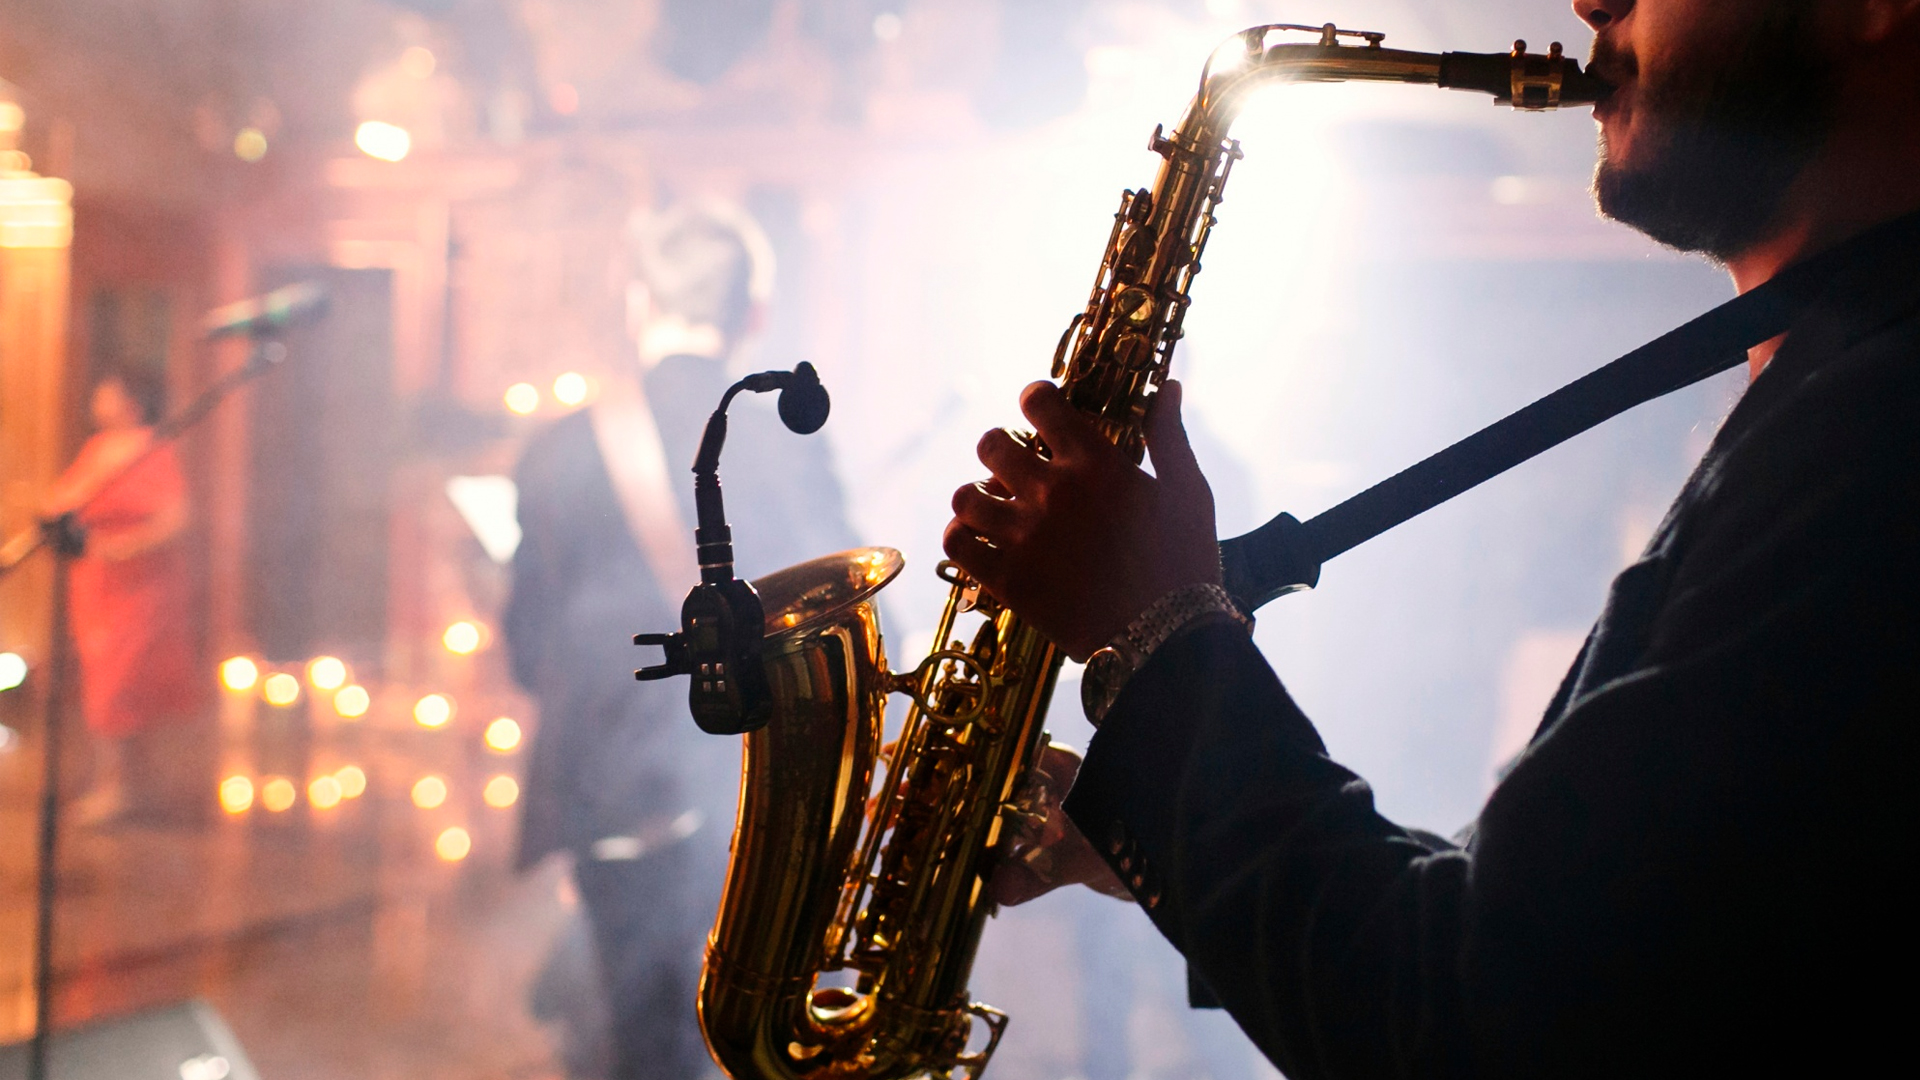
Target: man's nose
{"x":1600,"y":14}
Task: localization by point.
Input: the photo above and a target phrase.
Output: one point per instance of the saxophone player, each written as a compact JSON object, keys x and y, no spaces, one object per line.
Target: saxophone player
{"x":1693,"y":868}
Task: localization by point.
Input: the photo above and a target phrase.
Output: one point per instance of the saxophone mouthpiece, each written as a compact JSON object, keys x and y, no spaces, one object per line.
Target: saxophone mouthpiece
{"x":1524,"y":80}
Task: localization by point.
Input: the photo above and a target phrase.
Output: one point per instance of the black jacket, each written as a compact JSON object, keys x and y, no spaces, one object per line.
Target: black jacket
{"x":1694,"y":869}
{"x":611,"y":752}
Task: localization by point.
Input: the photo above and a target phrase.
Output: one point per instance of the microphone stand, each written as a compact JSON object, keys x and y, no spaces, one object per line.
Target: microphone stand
{"x":65,"y":539}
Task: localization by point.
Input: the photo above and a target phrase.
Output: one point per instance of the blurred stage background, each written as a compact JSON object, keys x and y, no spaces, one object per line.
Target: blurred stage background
{"x":1394,"y":267}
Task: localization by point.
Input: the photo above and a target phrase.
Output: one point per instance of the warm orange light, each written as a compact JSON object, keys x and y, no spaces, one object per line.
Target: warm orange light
{"x":352,"y":702}
{"x":353,"y":781}
{"x":570,"y":388}
{"x":277,"y":794}
{"x":501,"y":792}
{"x":388,"y":142}
{"x":453,"y":844}
{"x":325,"y":793}
{"x":250,"y":145}
{"x":418,"y":62}
{"x":281,"y":688}
{"x":326,"y":673}
{"x":239,"y":673}
{"x":461,"y":638}
{"x":236,"y":794}
{"x":429,"y":792}
{"x":503,"y":735}
{"x":433,"y":711}
{"x":522,"y":398}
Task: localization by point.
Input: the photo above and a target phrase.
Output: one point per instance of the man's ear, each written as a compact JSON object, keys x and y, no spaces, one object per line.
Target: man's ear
{"x":1880,"y":20}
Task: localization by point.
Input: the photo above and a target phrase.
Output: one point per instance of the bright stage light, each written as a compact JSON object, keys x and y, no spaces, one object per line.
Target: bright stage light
{"x":503,"y":735}
{"x":281,"y":689}
{"x":353,"y":781}
{"x":13,"y":670}
{"x":462,"y":638}
{"x":326,"y":673}
{"x":377,"y":139}
{"x":236,"y":794}
{"x":522,"y":398}
{"x":352,"y":702}
{"x":239,"y":673}
{"x":433,"y":711}
{"x":325,"y":792}
{"x":429,"y":792}
{"x":501,"y":792}
{"x":570,"y":388}
{"x":277,"y":794}
{"x":453,"y":844}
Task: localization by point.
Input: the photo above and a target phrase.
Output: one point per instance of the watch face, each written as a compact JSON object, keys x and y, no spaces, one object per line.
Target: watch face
{"x":1100,"y":684}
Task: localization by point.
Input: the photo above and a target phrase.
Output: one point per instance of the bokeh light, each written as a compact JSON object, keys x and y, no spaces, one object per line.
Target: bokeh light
{"x":277,"y":794}
{"x":453,"y":844}
{"x":570,"y":388}
{"x":326,"y":673}
{"x":461,"y":638}
{"x":352,"y":702}
{"x":236,"y":794}
{"x":503,"y":735}
{"x":418,"y":62}
{"x":250,"y":144}
{"x":501,"y":792}
{"x":281,"y":688}
{"x":324,"y":792}
{"x":13,"y":670}
{"x":353,"y":781}
{"x":429,"y":792}
{"x":433,"y":711}
{"x":378,"y":139}
{"x":522,"y":398}
{"x":239,"y":673}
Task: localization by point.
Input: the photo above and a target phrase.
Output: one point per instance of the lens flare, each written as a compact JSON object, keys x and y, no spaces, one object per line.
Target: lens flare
{"x":281,"y":689}
{"x":239,"y":673}
{"x":326,"y":673}
{"x":501,"y":792}
{"x":277,"y":794}
{"x":352,"y":702}
{"x":429,"y":792}
{"x":433,"y":711}
{"x":503,"y":735}
{"x":236,"y":794}
{"x":453,"y":844}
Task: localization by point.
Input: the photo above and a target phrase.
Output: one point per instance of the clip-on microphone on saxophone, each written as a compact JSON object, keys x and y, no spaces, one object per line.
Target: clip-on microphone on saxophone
{"x":721,"y":621}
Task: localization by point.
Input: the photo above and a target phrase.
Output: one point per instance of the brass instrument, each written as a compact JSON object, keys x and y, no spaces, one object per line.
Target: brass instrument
{"x":851,"y":917}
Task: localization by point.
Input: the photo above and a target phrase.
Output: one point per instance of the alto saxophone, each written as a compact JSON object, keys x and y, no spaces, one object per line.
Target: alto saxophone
{"x":851,"y":916}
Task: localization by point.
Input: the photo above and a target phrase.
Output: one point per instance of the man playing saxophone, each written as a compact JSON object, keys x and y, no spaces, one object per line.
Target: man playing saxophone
{"x":1692,"y":869}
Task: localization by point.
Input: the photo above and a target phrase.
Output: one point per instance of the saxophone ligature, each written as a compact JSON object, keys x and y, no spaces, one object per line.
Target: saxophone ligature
{"x":852,"y":912}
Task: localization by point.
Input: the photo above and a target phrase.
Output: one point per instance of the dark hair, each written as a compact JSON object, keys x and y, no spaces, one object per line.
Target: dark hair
{"x":146,"y":386}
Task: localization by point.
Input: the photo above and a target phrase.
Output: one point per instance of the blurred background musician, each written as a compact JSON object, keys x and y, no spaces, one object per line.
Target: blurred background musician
{"x":620,"y":778}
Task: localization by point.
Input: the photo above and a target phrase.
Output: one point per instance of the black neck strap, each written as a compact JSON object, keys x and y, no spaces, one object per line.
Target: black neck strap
{"x":1285,"y":554}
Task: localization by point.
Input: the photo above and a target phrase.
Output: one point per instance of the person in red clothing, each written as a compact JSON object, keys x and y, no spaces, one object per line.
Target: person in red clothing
{"x":128,"y":595}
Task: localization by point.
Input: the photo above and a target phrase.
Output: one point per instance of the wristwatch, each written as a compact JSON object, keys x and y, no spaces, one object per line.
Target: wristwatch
{"x":1109,"y":669}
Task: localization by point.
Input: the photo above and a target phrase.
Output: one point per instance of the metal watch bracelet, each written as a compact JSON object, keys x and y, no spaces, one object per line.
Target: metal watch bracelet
{"x":1109,"y":669}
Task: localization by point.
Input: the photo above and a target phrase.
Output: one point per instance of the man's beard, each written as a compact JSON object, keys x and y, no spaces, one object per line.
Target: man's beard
{"x":1723,"y":134}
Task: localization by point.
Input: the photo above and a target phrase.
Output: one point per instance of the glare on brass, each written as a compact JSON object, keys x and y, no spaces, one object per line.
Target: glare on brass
{"x":461,"y":638}
{"x":453,"y":844}
{"x":277,"y":794}
{"x":353,"y":781}
{"x":326,"y":673}
{"x":522,"y":398}
{"x":429,"y":792}
{"x":324,"y":792}
{"x":501,"y":792}
{"x":236,"y":794}
{"x":503,"y":735}
{"x":433,"y":711}
{"x":280,"y":688}
{"x":13,"y":670}
{"x":239,"y":674}
{"x":352,"y":702}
